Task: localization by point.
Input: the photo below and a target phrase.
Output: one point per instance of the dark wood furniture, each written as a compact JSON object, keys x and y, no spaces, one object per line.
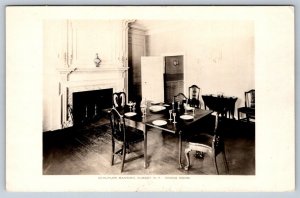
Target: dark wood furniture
{"x":143,"y":123}
{"x":212,"y":101}
{"x":122,"y":134}
{"x":179,"y":99}
{"x":194,"y":93}
{"x":207,"y":143}
{"x":180,"y":127}
{"x":119,"y":100}
{"x":249,"y":108}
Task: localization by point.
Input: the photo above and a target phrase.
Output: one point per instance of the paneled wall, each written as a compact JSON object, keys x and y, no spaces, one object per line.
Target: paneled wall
{"x":70,"y":47}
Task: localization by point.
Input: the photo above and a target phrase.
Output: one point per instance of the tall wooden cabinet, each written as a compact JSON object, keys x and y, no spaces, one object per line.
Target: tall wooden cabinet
{"x":162,"y":79}
{"x":136,"y":49}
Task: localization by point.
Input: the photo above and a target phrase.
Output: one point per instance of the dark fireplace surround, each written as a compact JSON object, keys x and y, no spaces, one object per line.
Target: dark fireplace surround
{"x":88,"y":105}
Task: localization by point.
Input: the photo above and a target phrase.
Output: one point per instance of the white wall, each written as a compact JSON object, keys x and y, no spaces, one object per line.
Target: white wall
{"x":52,"y":60}
{"x":219,"y":55}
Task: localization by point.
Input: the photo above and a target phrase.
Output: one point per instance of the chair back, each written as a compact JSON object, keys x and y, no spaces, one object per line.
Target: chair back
{"x":250,"y":98}
{"x":119,"y":99}
{"x":194,"y":92}
{"x":117,"y":125}
{"x":180,"y":98}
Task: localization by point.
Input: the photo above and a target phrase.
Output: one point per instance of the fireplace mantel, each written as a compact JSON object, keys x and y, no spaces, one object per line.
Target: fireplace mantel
{"x":97,"y":69}
{"x":69,"y":63}
{"x":66,"y":72}
{"x":86,"y":79}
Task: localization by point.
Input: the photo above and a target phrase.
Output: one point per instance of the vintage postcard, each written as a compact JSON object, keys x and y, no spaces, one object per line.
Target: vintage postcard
{"x":150,"y":98}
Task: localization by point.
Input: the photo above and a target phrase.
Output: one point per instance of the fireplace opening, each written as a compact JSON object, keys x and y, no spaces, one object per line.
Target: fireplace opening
{"x":88,"y":105}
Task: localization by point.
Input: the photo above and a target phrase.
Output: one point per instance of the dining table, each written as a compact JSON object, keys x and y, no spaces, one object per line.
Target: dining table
{"x":161,"y":116}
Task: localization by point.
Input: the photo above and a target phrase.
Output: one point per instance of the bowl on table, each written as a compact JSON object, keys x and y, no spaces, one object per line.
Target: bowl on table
{"x":157,"y":108}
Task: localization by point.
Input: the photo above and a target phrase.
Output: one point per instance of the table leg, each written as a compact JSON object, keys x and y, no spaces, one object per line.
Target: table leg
{"x":231,"y":114}
{"x":180,"y":148}
{"x":145,"y":146}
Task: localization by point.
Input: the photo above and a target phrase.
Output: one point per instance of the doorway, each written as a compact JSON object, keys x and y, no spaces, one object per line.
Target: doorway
{"x":162,"y":77}
{"x":173,"y":77}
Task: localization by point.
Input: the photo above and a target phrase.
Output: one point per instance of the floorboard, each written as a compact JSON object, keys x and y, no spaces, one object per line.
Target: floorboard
{"x":86,"y":150}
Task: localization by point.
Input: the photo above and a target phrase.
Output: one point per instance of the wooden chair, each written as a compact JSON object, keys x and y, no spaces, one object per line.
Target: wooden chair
{"x":179,"y":99}
{"x":249,"y":108}
{"x":123,"y":134}
{"x":194,"y":93}
{"x":207,"y":143}
{"x":119,"y":99}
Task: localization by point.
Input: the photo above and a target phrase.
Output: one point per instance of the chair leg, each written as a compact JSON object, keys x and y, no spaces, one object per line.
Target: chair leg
{"x":238,"y":115}
{"x":215,"y":162}
{"x":127,"y":148}
{"x":187,"y":156}
{"x":112,"y":152}
{"x":123,"y":157}
{"x":225,"y":162}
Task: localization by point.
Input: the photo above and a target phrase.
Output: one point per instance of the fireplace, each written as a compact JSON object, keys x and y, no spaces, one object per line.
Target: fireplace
{"x":84,"y":92}
{"x":88,"y":105}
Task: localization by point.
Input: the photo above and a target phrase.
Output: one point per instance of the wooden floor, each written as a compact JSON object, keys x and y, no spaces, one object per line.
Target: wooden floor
{"x":86,"y":151}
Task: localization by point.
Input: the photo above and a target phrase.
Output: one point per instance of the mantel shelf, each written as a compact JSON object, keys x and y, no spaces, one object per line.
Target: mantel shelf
{"x":97,"y":69}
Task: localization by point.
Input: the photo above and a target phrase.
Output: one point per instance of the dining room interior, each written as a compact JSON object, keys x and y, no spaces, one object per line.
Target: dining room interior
{"x":180,"y":92}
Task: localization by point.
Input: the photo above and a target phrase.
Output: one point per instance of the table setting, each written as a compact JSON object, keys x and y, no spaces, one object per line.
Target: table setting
{"x":166,"y":117}
{"x":185,"y":112}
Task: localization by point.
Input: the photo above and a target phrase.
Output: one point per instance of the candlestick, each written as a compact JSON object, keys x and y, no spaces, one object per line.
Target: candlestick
{"x":174,"y":116}
{"x":170,"y":112}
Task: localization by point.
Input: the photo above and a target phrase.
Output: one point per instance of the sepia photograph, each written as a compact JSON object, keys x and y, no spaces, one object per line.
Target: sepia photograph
{"x":175,"y":86}
{"x":179,"y":96}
